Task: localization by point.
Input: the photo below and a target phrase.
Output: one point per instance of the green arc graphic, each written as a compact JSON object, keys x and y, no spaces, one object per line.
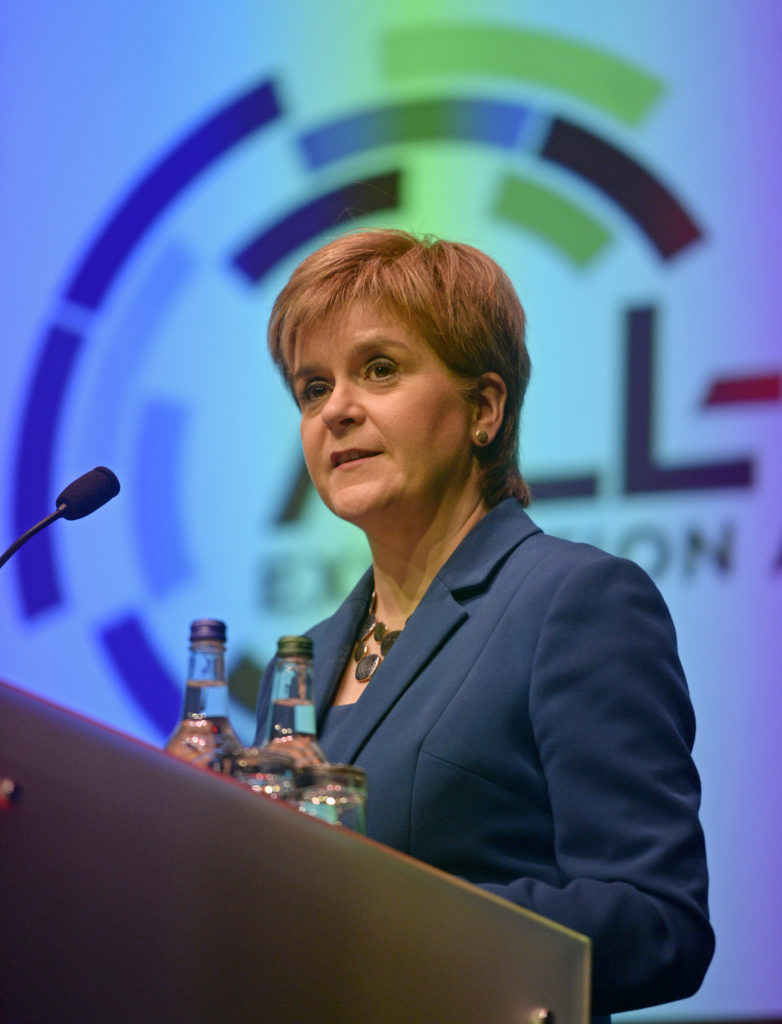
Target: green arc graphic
{"x":549,"y":215}
{"x":592,"y":75}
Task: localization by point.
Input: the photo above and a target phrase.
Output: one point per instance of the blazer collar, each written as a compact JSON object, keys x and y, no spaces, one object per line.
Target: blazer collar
{"x":439,"y":614}
{"x":473,"y":563}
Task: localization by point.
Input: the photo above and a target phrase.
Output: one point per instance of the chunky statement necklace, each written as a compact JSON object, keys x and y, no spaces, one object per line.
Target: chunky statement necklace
{"x":367,"y":664}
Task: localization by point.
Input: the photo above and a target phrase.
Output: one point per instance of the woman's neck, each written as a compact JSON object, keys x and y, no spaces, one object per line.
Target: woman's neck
{"x":405,"y":562}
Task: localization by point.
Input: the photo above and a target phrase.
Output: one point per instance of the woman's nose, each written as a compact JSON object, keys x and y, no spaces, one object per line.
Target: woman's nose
{"x":343,"y":406}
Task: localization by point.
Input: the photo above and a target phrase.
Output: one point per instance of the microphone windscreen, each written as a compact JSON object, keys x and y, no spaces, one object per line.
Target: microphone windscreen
{"x":88,"y":493}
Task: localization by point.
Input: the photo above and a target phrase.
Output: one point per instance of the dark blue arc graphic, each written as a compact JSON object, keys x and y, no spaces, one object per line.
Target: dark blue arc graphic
{"x":651,"y":206}
{"x":39,"y":583}
{"x":148,"y":683}
{"x":644,"y":199}
{"x":357,"y":199}
{"x":164,"y":182}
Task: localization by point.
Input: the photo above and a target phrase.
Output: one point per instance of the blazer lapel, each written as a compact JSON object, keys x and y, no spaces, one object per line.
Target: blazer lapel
{"x":433,"y":621}
{"x":439,"y":615}
{"x":334,"y":640}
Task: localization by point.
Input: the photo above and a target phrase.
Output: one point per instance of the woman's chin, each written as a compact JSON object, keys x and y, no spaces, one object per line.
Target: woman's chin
{"x":361,"y":514}
{"x":361,"y":507}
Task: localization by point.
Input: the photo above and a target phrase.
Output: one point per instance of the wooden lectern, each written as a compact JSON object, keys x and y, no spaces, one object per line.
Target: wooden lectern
{"x":137,"y":888}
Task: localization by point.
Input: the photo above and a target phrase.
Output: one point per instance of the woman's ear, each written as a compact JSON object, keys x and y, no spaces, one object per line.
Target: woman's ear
{"x":488,"y":406}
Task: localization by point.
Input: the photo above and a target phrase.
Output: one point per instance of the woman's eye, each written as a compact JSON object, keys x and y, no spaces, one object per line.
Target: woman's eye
{"x":380,"y":369}
{"x":313,"y":391}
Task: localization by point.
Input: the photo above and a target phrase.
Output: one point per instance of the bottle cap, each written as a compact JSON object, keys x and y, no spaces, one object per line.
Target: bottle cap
{"x":292,"y":646}
{"x":207,"y":629}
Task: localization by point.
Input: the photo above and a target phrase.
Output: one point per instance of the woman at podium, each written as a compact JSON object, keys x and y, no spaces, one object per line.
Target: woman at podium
{"x":516,"y":700}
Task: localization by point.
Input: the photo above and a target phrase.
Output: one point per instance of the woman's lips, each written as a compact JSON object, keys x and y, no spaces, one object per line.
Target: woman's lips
{"x":350,"y":455}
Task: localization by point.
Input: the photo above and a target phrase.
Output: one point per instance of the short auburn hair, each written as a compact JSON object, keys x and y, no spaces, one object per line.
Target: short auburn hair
{"x":454,"y":296}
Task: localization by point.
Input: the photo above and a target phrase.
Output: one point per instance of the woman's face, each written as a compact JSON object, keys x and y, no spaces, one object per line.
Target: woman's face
{"x":386,"y":432}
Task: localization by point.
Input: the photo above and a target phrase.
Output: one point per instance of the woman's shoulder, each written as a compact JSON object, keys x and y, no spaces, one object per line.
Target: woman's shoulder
{"x":580,"y":566}
{"x":531,"y":560}
{"x":511,"y":530}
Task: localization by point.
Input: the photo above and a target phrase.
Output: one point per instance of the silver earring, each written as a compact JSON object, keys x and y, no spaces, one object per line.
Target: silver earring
{"x":481,"y":437}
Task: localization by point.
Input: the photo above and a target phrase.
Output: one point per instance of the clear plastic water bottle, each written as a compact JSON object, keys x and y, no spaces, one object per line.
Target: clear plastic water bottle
{"x":205,"y":735}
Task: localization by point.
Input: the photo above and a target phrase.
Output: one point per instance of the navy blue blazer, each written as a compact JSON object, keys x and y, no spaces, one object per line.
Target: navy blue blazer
{"x":530,"y":732}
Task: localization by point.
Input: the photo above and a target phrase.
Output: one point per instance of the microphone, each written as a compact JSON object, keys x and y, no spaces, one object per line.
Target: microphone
{"x":85,"y":495}
{"x":80,"y":498}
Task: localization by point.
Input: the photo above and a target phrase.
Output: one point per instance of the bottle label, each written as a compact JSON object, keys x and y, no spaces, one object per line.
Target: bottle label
{"x":304,"y":718}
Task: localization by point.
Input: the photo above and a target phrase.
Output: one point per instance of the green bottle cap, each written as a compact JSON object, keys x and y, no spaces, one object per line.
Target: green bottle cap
{"x":294,"y":646}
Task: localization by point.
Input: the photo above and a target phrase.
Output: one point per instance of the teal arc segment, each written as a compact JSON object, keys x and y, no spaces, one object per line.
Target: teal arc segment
{"x":492,"y":122}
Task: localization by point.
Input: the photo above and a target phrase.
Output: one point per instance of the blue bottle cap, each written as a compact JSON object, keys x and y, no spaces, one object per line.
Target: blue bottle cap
{"x":207,"y":629}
